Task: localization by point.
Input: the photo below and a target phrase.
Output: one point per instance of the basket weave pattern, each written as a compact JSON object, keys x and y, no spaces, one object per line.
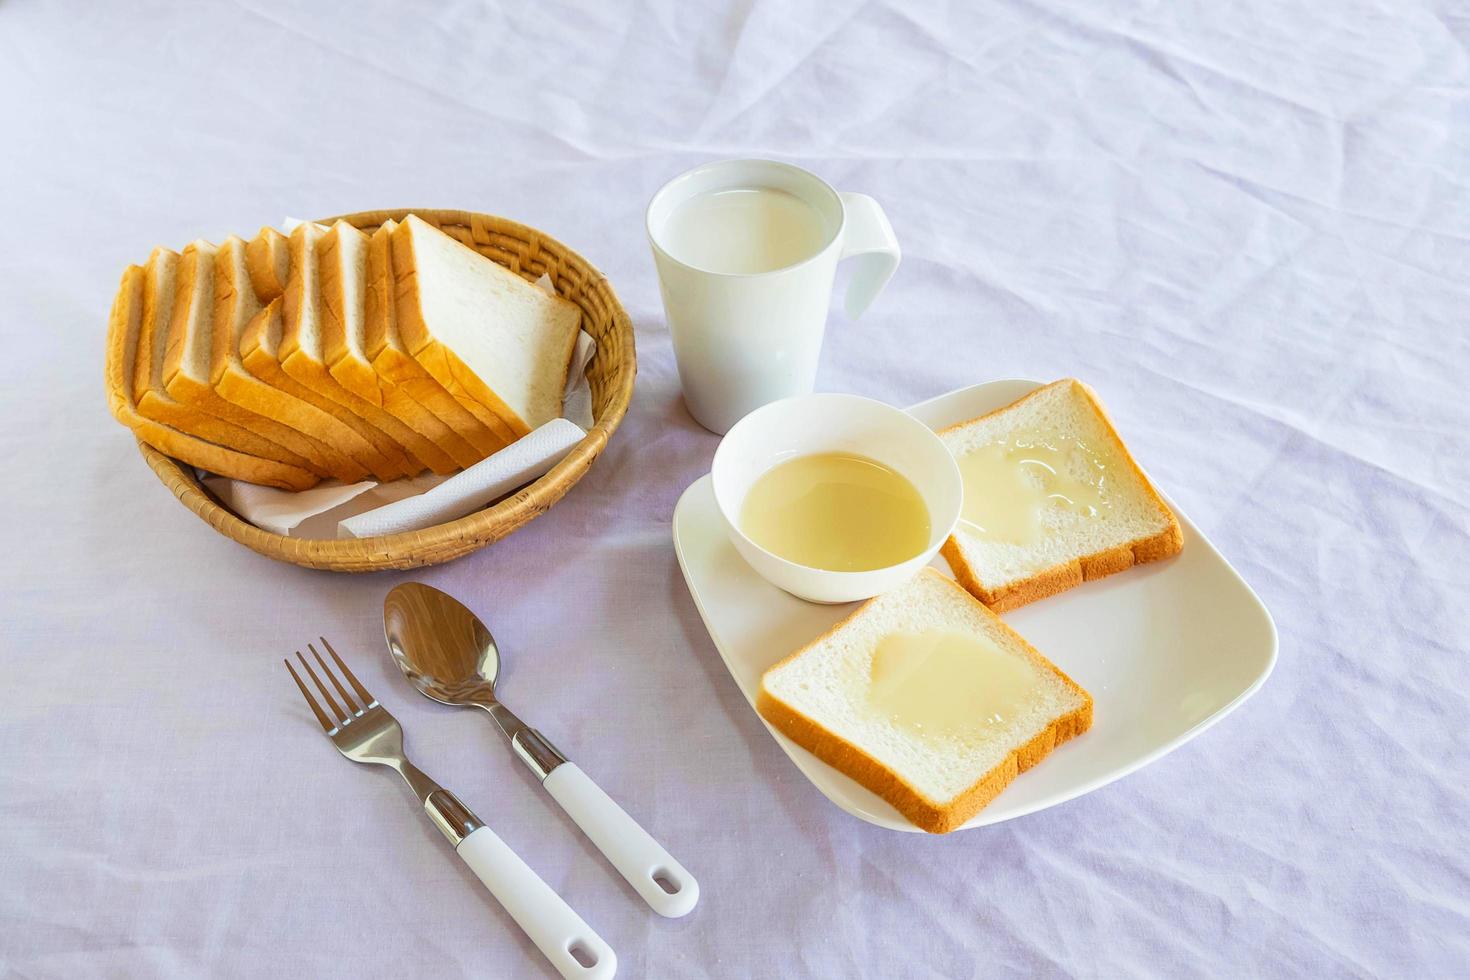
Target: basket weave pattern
{"x":530,"y":254}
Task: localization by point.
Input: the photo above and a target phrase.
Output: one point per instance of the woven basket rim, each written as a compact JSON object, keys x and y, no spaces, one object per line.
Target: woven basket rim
{"x":440,"y":542}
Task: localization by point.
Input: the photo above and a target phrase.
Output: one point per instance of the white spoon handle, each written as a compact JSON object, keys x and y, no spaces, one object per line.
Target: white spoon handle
{"x":637,"y":856}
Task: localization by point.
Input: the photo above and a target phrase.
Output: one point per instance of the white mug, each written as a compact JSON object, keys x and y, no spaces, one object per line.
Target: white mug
{"x":745,"y":339}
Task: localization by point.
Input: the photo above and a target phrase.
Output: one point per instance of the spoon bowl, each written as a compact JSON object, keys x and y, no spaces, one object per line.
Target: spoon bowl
{"x":443,"y":649}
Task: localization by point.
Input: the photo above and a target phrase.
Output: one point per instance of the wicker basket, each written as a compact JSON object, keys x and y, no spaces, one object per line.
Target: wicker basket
{"x":527,"y":252}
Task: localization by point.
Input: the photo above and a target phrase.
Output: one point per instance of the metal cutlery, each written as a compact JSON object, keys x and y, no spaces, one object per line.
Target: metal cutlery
{"x":364,"y":731}
{"x":449,"y":655}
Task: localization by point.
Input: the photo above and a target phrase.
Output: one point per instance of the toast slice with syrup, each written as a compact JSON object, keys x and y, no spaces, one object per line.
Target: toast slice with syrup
{"x":1053,"y":499}
{"x":925,"y":697}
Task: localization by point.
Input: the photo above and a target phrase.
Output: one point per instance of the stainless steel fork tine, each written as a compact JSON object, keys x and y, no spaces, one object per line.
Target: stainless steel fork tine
{"x":351,"y":704}
{"x":322,"y":719}
{"x":367,"y":699}
{"x":341,"y":716}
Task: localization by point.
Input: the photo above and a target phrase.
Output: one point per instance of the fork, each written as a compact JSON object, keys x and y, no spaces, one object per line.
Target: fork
{"x":365,"y":732}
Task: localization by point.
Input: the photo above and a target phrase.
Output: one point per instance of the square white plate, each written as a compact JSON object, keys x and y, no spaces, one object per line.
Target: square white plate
{"x":1165,"y":649}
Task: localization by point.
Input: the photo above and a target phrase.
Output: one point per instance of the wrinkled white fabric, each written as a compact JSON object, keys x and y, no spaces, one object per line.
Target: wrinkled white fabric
{"x":1247,"y":224}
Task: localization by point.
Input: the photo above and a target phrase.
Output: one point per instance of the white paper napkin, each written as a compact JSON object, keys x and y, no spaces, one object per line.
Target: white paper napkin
{"x":336,"y":510}
{"x":490,"y":479}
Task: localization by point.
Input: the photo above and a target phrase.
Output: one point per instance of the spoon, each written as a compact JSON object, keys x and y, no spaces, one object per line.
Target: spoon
{"x":450,"y":656}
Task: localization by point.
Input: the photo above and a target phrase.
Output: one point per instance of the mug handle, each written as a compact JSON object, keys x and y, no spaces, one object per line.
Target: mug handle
{"x":868,"y":237}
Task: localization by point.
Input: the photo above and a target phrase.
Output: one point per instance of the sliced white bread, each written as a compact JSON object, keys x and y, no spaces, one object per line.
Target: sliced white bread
{"x":1073,"y":546}
{"x":821,"y":698}
{"x":499,"y":344}
{"x":342,"y":261}
{"x":235,"y":305}
{"x":159,"y":274}
{"x":198,"y":349}
{"x":260,"y":346}
{"x":124,"y":328}
{"x":303,"y":357}
{"x":384,"y":348}
{"x":165,"y":299}
{"x":268,"y":260}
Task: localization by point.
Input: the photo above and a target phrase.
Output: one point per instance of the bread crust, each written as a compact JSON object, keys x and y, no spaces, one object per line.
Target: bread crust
{"x":385,"y":459}
{"x":441,"y":362}
{"x":303,"y":449}
{"x":237,"y":387}
{"x":267,"y":261}
{"x":400,"y":369}
{"x":358,"y":375}
{"x":122,"y":323}
{"x":1084,"y":568}
{"x":924,"y":812}
{"x":316,"y":375}
{"x":150,"y":395}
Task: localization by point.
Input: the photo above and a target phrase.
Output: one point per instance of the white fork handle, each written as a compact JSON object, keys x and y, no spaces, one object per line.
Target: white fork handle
{"x":637,"y":856}
{"x":556,"y":930}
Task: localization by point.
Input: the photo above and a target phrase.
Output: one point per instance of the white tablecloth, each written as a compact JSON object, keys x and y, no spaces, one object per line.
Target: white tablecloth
{"x":1245,"y":223}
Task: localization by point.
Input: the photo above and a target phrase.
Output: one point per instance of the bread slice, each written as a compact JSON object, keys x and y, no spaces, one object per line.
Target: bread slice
{"x":498,"y":344}
{"x":169,"y":295}
{"x":268,"y":260}
{"x":198,"y":350}
{"x":260,"y":345}
{"x":303,"y":358}
{"x":339,"y":451}
{"x":124,"y":329}
{"x":1133,"y":526}
{"x":820,"y":698}
{"x":342,"y":260}
{"x":383,"y":346}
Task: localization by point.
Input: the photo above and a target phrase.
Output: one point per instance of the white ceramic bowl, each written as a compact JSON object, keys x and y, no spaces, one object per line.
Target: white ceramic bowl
{"x":829,"y":423}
